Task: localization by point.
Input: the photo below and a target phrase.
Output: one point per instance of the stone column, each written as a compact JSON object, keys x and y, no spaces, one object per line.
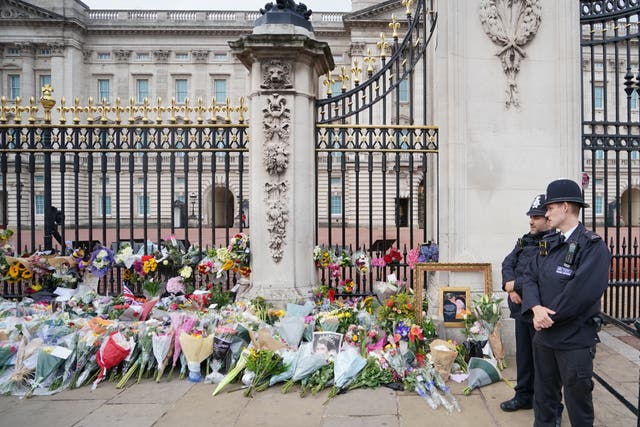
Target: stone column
{"x":509,"y":124}
{"x":284,"y":63}
{"x":28,"y":83}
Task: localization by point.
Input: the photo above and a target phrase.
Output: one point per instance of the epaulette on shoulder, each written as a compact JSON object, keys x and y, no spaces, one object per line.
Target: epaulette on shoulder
{"x":592,"y":236}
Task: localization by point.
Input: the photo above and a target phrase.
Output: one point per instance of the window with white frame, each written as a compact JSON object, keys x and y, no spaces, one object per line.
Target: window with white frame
{"x":12,"y":51}
{"x":633,"y":102}
{"x":104,"y":205}
{"x":219,"y":56}
{"x":103,"y":90}
{"x":14,"y":86}
{"x":181,"y":90}
{"x":403,"y":90}
{"x":143,"y":56}
{"x":599,"y":205}
{"x":634,"y":155}
{"x":144,"y":205}
{"x":182,"y":56}
{"x":39,"y":179}
{"x":180,"y":180}
{"x":103,"y":56}
{"x":599,"y":183}
{"x":142,"y":90}
{"x":599,"y":154}
{"x":44,"y":52}
{"x":45,"y":79}
{"x":336,"y":87}
{"x":39,"y":201}
{"x":598,"y":97}
{"x":336,"y":196}
{"x":220,"y":90}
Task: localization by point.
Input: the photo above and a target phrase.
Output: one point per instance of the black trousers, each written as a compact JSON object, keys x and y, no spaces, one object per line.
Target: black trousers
{"x":558,"y":370}
{"x":524,"y":359}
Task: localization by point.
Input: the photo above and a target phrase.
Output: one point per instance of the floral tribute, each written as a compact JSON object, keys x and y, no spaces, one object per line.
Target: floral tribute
{"x":192,"y":329}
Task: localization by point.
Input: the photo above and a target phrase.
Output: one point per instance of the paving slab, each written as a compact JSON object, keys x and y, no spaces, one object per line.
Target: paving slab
{"x":148,"y":391}
{"x":362,"y":421}
{"x":364,"y":402}
{"x":272,"y":408}
{"x":40,"y":412}
{"x":123,"y":415}
{"x":198,"y":408}
{"x":414,"y":411}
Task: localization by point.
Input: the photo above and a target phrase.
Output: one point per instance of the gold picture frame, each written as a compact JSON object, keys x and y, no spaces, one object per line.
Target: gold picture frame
{"x":419,"y":288}
{"x":454,"y":302}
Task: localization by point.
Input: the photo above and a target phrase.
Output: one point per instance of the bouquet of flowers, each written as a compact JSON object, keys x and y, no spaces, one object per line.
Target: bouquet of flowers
{"x":322,"y":256}
{"x":111,"y":353}
{"x":196,"y":348}
{"x":347,"y":366}
{"x":240,"y":253}
{"x":101,"y":261}
{"x":264,"y":364}
{"x":361,"y":261}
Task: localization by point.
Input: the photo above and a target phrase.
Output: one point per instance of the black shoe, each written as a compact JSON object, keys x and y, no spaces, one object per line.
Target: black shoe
{"x":515,"y":404}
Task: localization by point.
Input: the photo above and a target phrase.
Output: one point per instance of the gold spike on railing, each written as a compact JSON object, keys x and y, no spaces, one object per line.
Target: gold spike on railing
{"x":214,"y":109}
{"x":408,"y":4}
{"x":118,"y":109}
{"x":62,"y":109}
{"x":344,"y":78}
{"x":17,"y":111}
{"x":395,"y":26}
{"x":369,"y":60}
{"x":159,"y":109}
{"x":328,"y":82}
{"x":103,"y":109}
{"x":76,"y":109}
{"x":382,"y":46}
{"x":227,"y":110}
{"x":356,"y":70}
{"x":3,"y":109}
{"x":242,"y":109}
{"x":187,"y":109}
{"x":200,"y":108}
{"x":146,"y":109}
{"x":91,"y":109}
{"x":172,"y":110}
{"x":131,"y":109}
{"x":33,"y":109}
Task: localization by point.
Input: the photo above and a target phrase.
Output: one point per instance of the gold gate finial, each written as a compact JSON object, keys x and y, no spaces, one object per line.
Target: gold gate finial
{"x":131,"y":108}
{"x":47,"y":101}
{"x":63,"y":109}
{"x":118,"y":109}
{"x":32,"y":109}
{"x":3,"y":109}
{"x":200,"y":108}
{"x":356,"y":70}
{"x":328,"y":82}
{"x":344,"y":78}
{"x":242,"y":109}
{"x":408,"y":4}
{"x":382,"y":46}
{"x":369,"y":60}
{"x":395,"y":26}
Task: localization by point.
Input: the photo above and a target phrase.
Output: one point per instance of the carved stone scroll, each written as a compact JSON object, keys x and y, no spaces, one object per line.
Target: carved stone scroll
{"x":276,"y":124}
{"x":511,"y":24}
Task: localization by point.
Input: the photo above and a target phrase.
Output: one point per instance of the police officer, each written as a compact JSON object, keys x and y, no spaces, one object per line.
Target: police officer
{"x":562,"y":288}
{"x":513,"y":268}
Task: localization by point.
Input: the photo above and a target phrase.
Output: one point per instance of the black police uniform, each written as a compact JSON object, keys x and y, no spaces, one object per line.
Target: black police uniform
{"x":568,"y":277}
{"x":513,"y":268}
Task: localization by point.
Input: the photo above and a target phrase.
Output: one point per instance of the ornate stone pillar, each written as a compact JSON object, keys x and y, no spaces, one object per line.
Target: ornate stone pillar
{"x":284,"y":62}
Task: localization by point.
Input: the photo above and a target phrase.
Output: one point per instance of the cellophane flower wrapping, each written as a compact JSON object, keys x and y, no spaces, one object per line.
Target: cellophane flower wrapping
{"x":444,"y":354}
{"x":290,"y":359}
{"x":196,"y":348}
{"x":111,"y":353}
{"x":291,"y":329}
{"x":481,"y":372}
{"x":348,"y":363}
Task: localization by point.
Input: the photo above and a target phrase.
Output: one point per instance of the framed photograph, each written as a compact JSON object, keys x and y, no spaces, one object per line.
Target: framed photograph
{"x":419,"y":285}
{"x":453,"y":305}
{"x":327,"y":343}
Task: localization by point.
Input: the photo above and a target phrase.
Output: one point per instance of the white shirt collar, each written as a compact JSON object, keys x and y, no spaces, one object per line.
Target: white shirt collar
{"x":568,"y":233}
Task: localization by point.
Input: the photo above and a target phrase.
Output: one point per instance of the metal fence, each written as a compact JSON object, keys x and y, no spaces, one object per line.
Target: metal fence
{"x":610,"y":49}
{"x":376,"y":153}
{"x":114,"y":174}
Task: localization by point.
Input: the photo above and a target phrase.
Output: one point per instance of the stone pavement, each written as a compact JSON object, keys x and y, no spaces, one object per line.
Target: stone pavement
{"x":175,"y":403}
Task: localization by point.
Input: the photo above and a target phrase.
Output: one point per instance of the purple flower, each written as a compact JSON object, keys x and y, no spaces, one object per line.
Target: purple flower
{"x":403,"y":330}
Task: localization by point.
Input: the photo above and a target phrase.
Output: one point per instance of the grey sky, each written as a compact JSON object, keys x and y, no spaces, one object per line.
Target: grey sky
{"x":319,"y":5}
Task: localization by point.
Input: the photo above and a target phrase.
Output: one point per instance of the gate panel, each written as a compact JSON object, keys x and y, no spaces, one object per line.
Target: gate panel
{"x":376,"y":154}
{"x":610,"y":50}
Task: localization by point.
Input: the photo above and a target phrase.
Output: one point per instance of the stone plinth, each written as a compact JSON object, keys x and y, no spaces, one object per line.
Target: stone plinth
{"x":283,"y":72}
